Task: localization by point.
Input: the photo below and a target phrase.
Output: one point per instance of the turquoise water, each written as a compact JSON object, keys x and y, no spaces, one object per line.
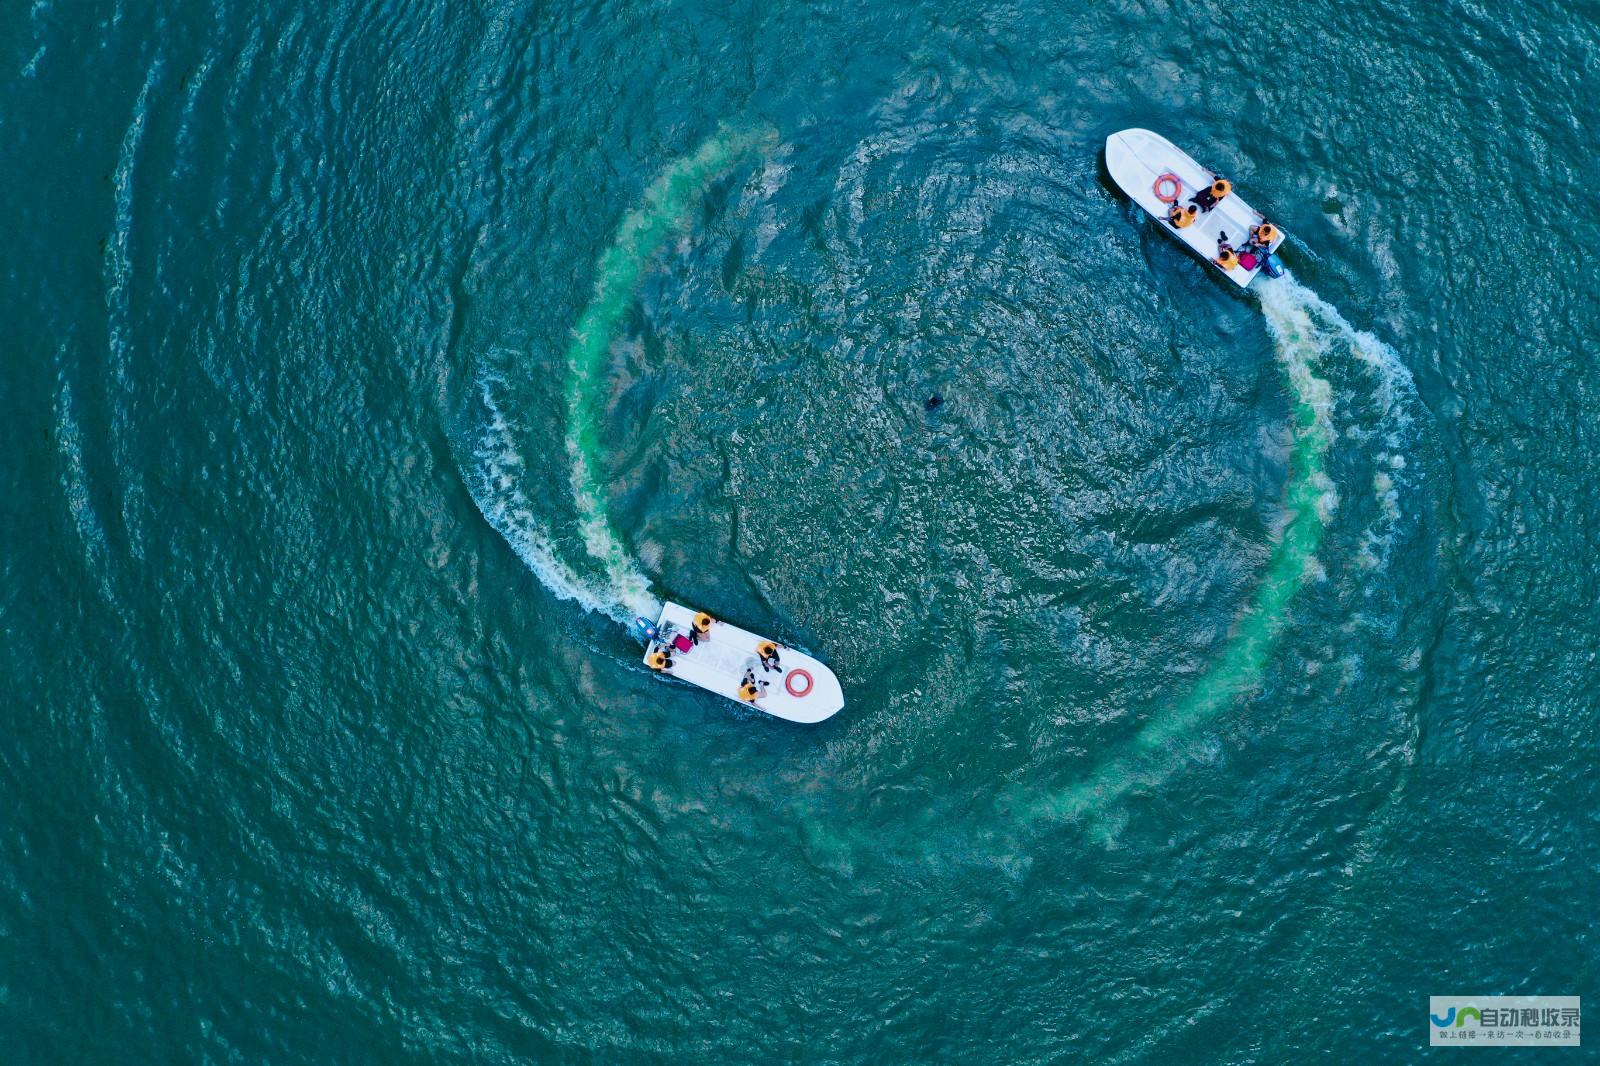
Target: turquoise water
{"x":1220,"y":668}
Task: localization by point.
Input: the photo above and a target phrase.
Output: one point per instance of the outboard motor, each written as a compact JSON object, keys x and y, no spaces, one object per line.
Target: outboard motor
{"x":1272,"y":267}
{"x":645,"y":630}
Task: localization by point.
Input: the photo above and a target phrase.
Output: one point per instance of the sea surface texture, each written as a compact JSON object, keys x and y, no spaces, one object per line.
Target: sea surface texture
{"x":1221,"y":667}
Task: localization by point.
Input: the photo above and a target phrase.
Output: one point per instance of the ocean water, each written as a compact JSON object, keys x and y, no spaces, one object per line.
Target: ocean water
{"x":1220,"y":668}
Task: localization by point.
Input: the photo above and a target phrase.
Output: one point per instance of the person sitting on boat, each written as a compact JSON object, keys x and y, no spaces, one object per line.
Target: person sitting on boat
{"x":1259,"y":246}
{"x":1182,"y":216}
{"x":749,"y":691}
{"x":1256,"y":248}
{"x":1210,"y":197}
{"x":701,"y":628}
{"x":768,"y":653}
{"x":1263,"y":235}
{"x":660,"y":660}
{"x":1227,"y":258}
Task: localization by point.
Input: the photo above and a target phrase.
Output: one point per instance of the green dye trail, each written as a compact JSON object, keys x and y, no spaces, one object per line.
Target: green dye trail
{"x":664,"y":211}
{"x":1310,"y":499}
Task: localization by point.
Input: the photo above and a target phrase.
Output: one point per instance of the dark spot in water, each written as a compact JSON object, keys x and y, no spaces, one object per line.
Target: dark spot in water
{"x":934,"y":402}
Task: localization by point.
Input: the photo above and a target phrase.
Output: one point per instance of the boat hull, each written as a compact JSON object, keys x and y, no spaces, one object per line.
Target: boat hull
{"x":802,"y":689}
{"x":1135,"y":158}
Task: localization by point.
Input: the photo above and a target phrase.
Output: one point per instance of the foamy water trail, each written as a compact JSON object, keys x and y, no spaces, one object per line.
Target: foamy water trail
{"x":1394,"y":397}
{"x":1396,"y":389}
{"x":495,"y":484}
{"x":665,"y":209}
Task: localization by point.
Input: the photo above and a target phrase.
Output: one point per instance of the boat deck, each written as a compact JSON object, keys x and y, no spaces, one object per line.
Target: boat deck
{"x":718,"y":664}
{"x":1135,"y":158}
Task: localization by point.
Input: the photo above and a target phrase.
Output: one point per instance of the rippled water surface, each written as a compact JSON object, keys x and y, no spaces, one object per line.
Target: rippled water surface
{"x":1220,"y":668}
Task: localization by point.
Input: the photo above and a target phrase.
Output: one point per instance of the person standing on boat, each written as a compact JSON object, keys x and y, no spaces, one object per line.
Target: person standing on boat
{"x":1210,"y":197}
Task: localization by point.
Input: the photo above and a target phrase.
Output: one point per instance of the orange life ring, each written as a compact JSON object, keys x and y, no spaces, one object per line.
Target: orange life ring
{"x":788,"y":683}
{"x":1177,"y":187}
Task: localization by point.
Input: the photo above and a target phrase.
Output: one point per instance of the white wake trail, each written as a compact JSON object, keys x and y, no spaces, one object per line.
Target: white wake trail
{"x":495,"y":484}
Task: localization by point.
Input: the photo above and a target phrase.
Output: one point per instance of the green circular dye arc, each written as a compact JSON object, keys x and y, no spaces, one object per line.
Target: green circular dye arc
{"x":1238,"y":670}
{"x":1244,"y":658}
{"x":664,"y":210}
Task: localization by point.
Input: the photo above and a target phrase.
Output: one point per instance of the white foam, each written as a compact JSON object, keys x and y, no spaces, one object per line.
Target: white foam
{"x":74,"y":479}
{"x":1294,"y":310}
{"x":772,"y":180}
{"x":1289,"y":322}
{"x":495,"y":488}
{"x":1377,"y":544}
{"x":1397,"y":390}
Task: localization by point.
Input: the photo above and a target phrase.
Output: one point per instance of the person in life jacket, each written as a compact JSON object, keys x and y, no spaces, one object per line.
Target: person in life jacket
{"x":1263,"y":235}
{"x":1227,"y":258}
{"x":659,"y":660}
{"x":1183,"y":216}
{"x":1208,"y":198}
{"x":767,"y":651}
{"x":701,"y":628}
{"x":1258,"y":246}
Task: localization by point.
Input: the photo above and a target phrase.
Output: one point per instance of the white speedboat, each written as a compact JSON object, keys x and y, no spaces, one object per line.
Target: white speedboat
{"x":1155,"y":173}
{"x":720,"y":657}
